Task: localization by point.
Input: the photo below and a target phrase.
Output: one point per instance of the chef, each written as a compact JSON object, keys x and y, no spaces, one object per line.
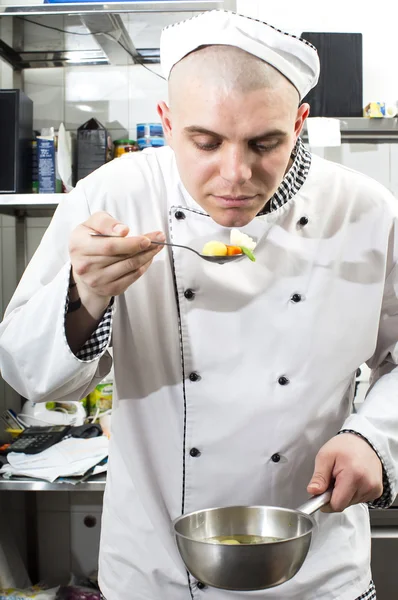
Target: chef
{"x":233,"y":383}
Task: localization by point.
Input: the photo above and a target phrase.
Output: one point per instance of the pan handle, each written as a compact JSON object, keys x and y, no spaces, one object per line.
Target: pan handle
{"x":316,"y":502}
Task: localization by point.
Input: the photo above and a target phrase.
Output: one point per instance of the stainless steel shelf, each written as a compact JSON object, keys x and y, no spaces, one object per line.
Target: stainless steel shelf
{"x":363,"y":130}
{"x":24,"y":484}
{"x":22,"y":8}
{"x":29,"y":205}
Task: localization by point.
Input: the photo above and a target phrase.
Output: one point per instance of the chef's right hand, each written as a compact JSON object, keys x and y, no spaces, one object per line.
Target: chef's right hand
{"x":106,"y":267}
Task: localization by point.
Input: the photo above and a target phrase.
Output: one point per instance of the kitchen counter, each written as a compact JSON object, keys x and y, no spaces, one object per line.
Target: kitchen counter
{"x":25,"y":484}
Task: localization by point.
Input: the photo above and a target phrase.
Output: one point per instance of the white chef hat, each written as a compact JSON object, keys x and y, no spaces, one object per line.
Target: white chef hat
{"x":294,"y":57}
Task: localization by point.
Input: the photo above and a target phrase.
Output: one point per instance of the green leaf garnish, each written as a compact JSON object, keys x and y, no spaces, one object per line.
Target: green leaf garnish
{"x":248,"y":253}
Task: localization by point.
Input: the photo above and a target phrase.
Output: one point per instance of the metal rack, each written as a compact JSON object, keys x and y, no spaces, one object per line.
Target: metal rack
{"x":97,"y":18}
{"x":24,"y":484}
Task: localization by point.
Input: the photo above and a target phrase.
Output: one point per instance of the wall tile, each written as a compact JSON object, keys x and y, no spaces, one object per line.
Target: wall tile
{"x":100,"y":92}
{"x":45,"y":87}
{"x":145,"y":91}
{"x":371,"y":159}
{"x":84,"y":542}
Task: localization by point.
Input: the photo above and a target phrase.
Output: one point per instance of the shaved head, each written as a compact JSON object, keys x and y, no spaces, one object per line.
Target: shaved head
{"x":229,"y":69}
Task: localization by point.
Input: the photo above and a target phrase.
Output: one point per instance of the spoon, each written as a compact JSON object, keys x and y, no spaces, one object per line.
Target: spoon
{"x":220,"y":260}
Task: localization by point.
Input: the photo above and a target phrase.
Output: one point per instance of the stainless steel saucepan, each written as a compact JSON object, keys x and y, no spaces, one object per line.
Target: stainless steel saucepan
{"x":247,"y":566}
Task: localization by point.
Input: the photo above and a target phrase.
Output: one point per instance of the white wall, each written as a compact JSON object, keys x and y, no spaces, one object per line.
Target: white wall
{"x":377,"y":23}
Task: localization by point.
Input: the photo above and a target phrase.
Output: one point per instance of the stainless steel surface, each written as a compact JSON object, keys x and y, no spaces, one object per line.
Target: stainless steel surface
{"x":384,"y":528}
{"x":117,"y":46}
{"x":24,"y":484}
{"x":246,"y":567}
{"x":362,"y":130}
{"x":219,"y":260}
{"x":24,"y":8}
{"x":315,"y":503}
{"x":29,"y":205}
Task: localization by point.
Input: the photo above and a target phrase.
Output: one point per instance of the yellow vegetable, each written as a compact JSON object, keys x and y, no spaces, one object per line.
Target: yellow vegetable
{"x":214,"y":249}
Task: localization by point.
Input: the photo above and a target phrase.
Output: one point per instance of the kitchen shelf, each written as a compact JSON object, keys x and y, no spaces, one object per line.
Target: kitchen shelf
{"x":24,"y":484}
{"x":361,"y":130}
{"x":68,"y":8}
{"x":29,"y":205}
{"x":99,"y":19}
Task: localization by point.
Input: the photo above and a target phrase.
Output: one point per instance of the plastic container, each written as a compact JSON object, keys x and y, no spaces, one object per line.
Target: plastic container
{"x":148,"y":142}
{"x":145,"y":130}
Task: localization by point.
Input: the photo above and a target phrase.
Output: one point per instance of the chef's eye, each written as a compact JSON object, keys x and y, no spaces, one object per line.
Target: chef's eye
{"x":207,"y":146}
{"x":264,"y":147}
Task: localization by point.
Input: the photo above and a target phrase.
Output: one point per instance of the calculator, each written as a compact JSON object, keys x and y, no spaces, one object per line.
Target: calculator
{"x":36,"y":439}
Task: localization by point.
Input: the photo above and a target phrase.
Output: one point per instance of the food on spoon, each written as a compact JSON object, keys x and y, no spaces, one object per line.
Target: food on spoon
{"x":248,"y":253}
{"x":215,"y":249}
{"x":242,"y":240}
{"x":233,"y":250}
{"x":240,"y":244}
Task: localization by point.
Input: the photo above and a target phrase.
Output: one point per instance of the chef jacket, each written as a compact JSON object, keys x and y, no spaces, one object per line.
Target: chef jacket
{"x":228,"y":379}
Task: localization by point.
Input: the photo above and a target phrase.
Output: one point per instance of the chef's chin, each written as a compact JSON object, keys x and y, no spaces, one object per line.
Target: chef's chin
{"x":232,"y":217}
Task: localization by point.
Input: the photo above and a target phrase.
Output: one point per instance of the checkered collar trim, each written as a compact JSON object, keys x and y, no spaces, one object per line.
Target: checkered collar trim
{"x":293,"y":180}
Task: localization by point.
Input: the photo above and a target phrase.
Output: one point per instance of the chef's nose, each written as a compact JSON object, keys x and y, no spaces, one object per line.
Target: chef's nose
{"x":235,"y":165}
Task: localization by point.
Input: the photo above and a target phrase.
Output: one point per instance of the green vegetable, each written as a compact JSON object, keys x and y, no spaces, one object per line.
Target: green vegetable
{"x":248,"y":253}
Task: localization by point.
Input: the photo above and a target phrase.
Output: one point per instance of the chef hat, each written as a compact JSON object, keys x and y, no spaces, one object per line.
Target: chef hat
{"x":294,"y":57}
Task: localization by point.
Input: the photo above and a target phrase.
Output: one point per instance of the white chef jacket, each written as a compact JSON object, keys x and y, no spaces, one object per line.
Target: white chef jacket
{"x":200,"y":353}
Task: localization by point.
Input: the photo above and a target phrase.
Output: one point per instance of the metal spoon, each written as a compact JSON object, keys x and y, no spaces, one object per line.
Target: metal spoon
{"x":220,"y":260}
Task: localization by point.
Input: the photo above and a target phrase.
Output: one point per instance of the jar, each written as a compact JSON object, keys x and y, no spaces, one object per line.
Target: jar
{"x":132,"y":148}
{"x":120,"y":146}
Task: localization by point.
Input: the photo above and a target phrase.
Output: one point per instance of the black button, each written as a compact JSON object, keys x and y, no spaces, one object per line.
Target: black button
{"x":276,"y":457}
{"x":200,"y":585}
{"x":194,"y":452}
{"x":179,"y":215}
{"x":303,"y":221}
{"x":283,"y":380}
{"x":296,"y":298}
{"x":189,"y":294}
{"x":195,"y":377}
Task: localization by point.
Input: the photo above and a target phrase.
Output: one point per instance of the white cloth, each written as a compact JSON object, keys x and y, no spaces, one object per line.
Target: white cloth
{"x":294,"y":57}
{"x":240,"y":333}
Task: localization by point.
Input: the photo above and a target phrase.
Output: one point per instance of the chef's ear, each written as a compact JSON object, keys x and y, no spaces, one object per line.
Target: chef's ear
{"x":302,"y":113}
{"x":165,"y":116}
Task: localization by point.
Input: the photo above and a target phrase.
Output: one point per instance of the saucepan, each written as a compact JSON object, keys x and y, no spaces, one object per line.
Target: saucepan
{"x":244,"y":548}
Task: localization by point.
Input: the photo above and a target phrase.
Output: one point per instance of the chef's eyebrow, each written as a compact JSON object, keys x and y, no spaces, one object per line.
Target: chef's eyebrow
{"x":262,"y":136}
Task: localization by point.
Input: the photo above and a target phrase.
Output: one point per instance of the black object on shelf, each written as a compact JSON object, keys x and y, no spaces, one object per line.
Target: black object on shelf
{"x":339,"y":92}
{"x":16,"y":136}
{"x":92,"y":147}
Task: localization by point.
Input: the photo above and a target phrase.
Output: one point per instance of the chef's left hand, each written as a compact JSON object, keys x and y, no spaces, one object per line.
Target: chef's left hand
{"x":355,"y":468}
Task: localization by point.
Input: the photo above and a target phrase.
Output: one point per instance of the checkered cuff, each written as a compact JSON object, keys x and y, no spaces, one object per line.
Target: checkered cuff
{"x":386,"y":498}
{"x":99,"y":340}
